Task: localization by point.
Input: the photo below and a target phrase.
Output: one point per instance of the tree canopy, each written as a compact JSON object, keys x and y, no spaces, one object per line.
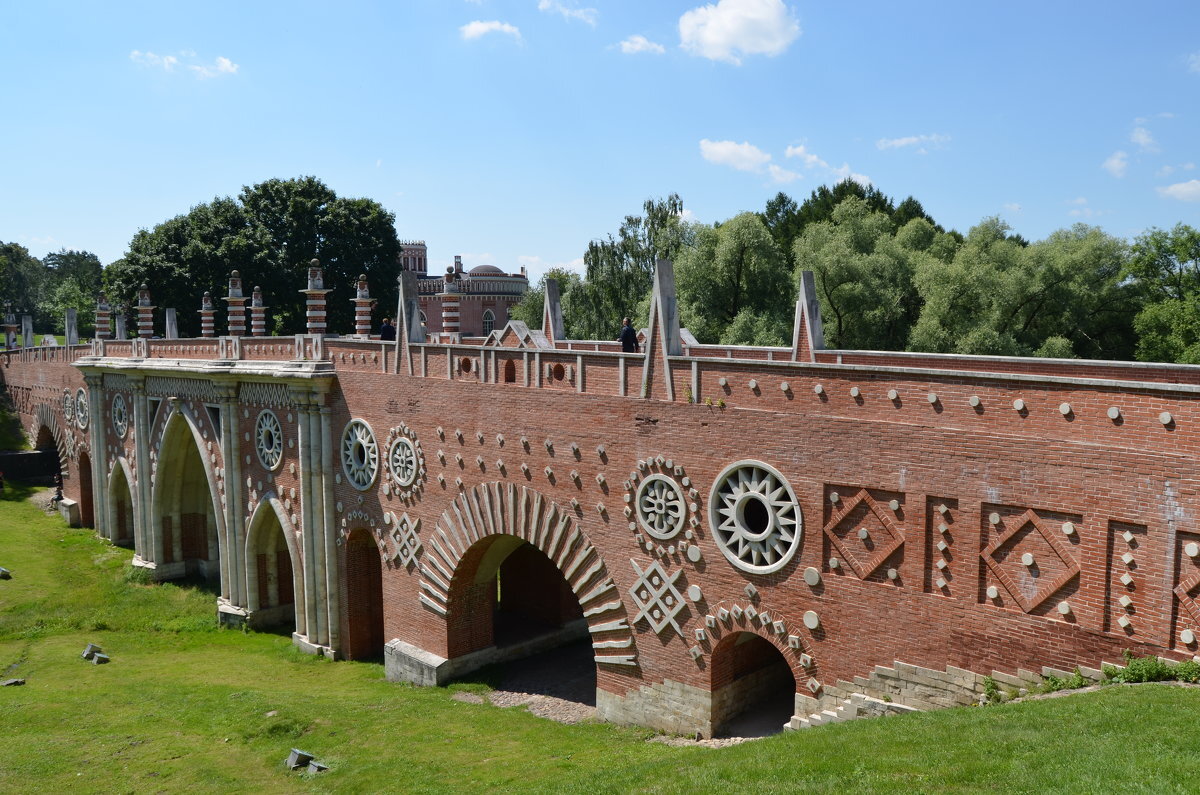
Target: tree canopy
{"x":269,"y":233}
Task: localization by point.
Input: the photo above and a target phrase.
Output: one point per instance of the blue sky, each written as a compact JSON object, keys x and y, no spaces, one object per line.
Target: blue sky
{"x":515,"y":131}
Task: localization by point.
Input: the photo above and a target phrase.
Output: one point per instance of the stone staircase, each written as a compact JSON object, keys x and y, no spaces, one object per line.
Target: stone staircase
{"x":905,"y":688}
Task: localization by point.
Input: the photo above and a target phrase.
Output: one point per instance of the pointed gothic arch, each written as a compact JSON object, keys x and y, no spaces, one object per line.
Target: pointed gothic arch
{"x":122,"y":518}
{"x":187,"y":525}
{"x":274,"y":567}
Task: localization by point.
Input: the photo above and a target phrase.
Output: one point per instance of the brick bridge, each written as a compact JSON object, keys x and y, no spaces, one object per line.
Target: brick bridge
{"x":726,"y":524}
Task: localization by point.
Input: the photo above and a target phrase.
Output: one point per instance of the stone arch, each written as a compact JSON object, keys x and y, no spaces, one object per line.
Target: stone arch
{"x":489,"y":321}
{"x":122,"y":518}
{"x":524,"y":514}
{"x":510,"y":371}
{"x":755,"y":671}
{"x":185,"y":540}
{"x":362,"y":556}
{"x":47,"y":433}
{"x":280,"y":580}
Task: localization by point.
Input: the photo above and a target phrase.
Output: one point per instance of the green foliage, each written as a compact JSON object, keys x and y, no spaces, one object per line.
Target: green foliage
{"x":991,"y":691}
{"x":1062,"y":296}
{"x":1188,"y":671}
{"x":619,"y":271}
{"x":864,"y":274}
{"x":530,"y":308}
{"x":734,"y":272}
{"x":1164,"y":269}
{"x":268,"y":233}
{"x":1140,"y":669}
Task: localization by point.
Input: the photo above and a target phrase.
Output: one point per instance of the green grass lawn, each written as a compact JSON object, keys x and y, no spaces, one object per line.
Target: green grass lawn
{"x":186,"y":706}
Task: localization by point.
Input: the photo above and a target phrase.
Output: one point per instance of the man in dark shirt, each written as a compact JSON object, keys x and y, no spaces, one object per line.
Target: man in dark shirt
{"x":628,"y":338}
{"x":387,"y":331}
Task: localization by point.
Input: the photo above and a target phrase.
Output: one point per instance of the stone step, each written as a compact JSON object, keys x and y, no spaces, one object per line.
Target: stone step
{"x":1095,"y":674}
{"x":1056,"y":672}
{"x":1008,"y":679}
{"x":1029,"y":676}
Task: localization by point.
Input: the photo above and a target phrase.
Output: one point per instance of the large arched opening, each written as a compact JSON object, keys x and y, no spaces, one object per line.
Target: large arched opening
{"x":753,"y":687}
{"x":509,"y":601}
{"x":184,"y":508}
{"x":120,"y":506}
{"x":49,"y":466}
{"x":272,"y":576}
{"x":86,"y":511}
{"x":364,"y":597}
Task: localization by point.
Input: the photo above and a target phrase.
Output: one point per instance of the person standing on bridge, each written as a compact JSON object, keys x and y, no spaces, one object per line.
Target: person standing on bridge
{"x":387,"y":331}
{"x":628,"y":338}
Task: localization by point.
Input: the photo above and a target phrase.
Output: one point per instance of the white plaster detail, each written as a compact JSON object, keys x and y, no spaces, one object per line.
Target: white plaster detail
{"x":993,"y":592}
{"x":1068,"y":528}
{"x":1127,"y":579}
{"x":81,"y":409}
{"x":1191,"y":549}
{"x":1187,"y":637}
{"x":1019,"y":404}
{"x":811,"y":619}
{"x":812,"y":576}
{"x":360,"y":454}
{"x":753,"y":384}
{"x":1114,"y":413}
{"x":268,"y":439}
{"x":941,"y":582}
{"x":994,"y":517}
{"x":120,"y":415}
{"x":1027,"y":559}
{"x":1064,"y":608}
{"x":694,"y":593}
{"x":974,"y":401}
{"x":693,"y":553}
{"x":754,"y":517}
{"x":1127,"y":558}
{"x":657,"y":599}
{"x":894,"y":504}
{"x":932,"y":398}
{"x":1165,"y":418}
{"x":1064,"y":409}
{"x":833,"y":563}
{"x":893,"y":394}
{"x":1124,"y":621}
{"x":1126,"y":600}
{"x":893,"y":574}
{"x":818,"y":389}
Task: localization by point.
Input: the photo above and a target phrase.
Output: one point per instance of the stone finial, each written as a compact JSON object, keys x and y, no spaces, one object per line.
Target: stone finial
{"x":235,"y":284}
{"x":144,"y":296}
{"x":102,"y":303}
{"x":206,"y":301}
{"x":316,"y":278}
{"x":256,"y":297}
{"x":10,"y":319}
{"x":363,"y":292}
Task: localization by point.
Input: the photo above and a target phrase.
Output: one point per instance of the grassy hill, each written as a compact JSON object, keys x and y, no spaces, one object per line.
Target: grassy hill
{"x":187,"y":706}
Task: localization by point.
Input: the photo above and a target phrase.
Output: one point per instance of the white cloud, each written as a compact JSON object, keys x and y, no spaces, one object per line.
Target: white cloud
{"x":1183,"y":191}
{"x":478,"y":28}
{"x":165,"y":62}
{"x":732,"y":29}
{"x":1080,"y":200}
{"x":912,"y":140}
{"x":1012,"y":207}
{"x":1165,"y":171}
{"x":808,"y":157}
{"x":1116,"y":164}
{"x":587,"y":15}
{"x":744,"y":156}
{"x":536,"y":267}
{"x":638,"y":43}
{"x":221,"y":66}
{"x":1193,"y":61}
{"x":844,"y":173}
{"x":782,"y":174}
{"x":687,"y":216}
{"x":1145,"y":141}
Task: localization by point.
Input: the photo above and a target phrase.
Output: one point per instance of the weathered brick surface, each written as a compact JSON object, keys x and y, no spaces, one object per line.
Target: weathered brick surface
{"x":1036,"y":469}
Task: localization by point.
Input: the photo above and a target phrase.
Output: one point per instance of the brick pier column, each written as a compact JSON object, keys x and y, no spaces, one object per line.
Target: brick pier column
{"x":237,"y":306}
{"x":10,"y":327}
{"x":103,"y":318}
{"x":258,"y":314}
{"x":145,"y":311}
{"x":449,"y":298}
{"x":207,"y":313}
{"x":314,"y":315}
{"x":363,"y":302}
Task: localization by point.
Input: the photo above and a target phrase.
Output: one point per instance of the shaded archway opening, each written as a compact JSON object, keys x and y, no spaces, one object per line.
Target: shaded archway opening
{"x":120,"y":508}
{"x":47,"y":467}
{"x":87,"y":515}
{"x":510,"y":604}
{"x":184,"y":510}
{"x":274,"y":608}
{"x":753,"y":687}
{"x":363,"y":598}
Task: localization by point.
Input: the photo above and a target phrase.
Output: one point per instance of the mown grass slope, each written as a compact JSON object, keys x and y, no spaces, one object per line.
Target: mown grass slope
{"x":186,"y":706}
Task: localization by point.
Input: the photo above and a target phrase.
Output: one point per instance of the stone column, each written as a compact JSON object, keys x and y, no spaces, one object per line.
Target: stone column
{"x":449,"y":298}
{"x":312,"y":417}
{"x":237,"y":306}
{"x":308,"y":473}
{"x":147,"y":532}
{"x":362,"y":308}
{"x":103,"y":318}
{"x":71,"y":327}
{"x":258,"y":314}
{"x":332,"y":591}
{"x":233,"y":570}
{"x":207,"y":312}
{"x":315,"y":314}
{"x":145,"y":310}
{"x":27,"y":340}
{"x":95,"y":430}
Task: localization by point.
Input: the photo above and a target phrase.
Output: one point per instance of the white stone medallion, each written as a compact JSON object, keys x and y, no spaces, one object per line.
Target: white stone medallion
{"x":120,"y":415}
{"x":268,"y":439}
{"x":68,"y":407}
{"x":405,"y":463}
{"x":662,"y":508}
{"x":360,"y":454}
{"x":81,"y":409}
{"x":754,"y":517}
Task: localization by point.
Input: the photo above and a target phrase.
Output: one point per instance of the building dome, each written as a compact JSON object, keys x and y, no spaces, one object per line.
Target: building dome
{"x":485,"y":270}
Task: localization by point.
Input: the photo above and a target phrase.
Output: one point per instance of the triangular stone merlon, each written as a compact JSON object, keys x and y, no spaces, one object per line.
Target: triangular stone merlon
{"x":808,"y":334}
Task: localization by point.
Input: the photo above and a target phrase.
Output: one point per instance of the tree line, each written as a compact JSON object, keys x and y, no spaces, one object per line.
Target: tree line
{"x":888,"y":276}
